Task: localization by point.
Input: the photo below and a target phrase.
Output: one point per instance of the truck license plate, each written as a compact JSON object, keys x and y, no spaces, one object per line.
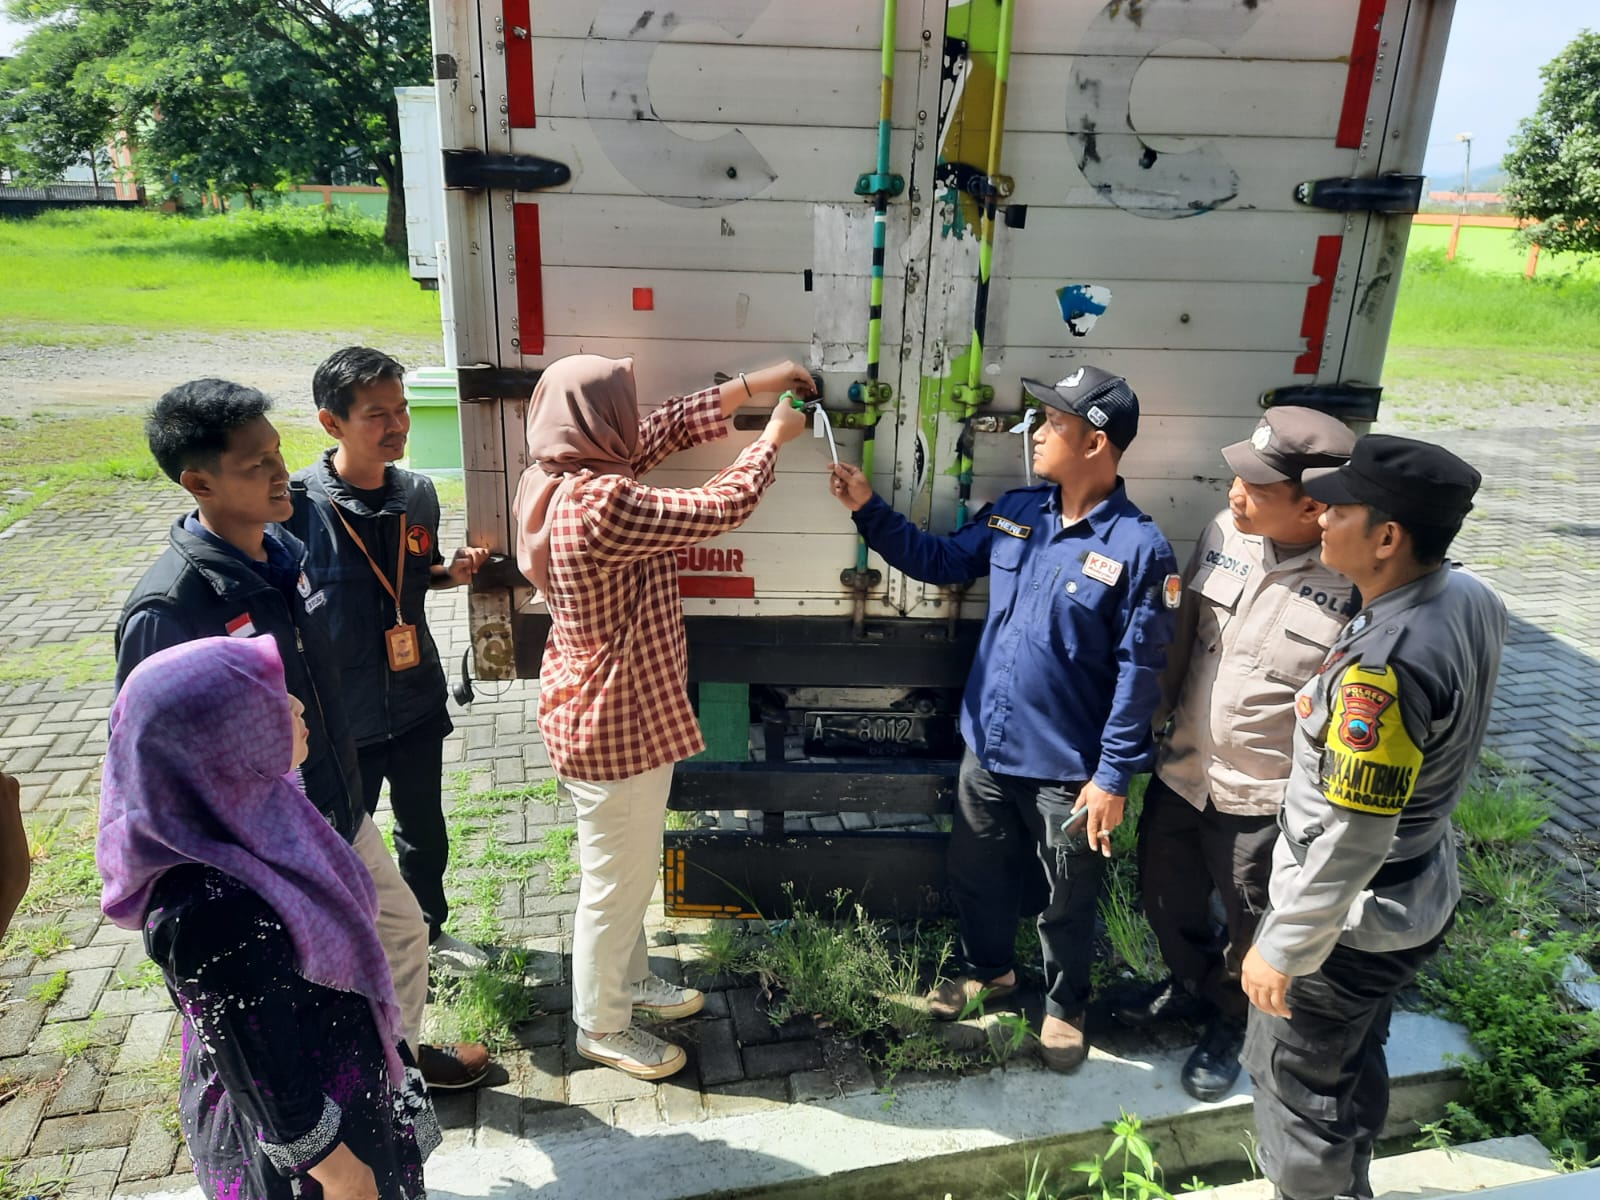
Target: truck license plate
{"x":866,"y":732}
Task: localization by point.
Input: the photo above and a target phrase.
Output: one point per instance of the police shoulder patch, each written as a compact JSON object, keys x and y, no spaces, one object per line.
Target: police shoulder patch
{"x":1006,"y":525}
{"x":1372,"y":762}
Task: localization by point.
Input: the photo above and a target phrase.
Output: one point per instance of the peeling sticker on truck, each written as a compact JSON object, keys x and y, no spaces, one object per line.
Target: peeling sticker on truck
{"x":660,"y":162}
{"x":1114,"y":158}
{"x":1082,"y":304}
{"x":841,"y":257}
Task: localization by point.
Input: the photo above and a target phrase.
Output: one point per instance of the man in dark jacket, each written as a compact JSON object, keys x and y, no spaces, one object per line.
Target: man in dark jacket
{"x":371,"y":531}
{"x":225,"y":574}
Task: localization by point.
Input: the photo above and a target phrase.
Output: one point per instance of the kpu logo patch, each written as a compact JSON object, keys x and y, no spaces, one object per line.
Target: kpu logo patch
{"x":418,"y":540}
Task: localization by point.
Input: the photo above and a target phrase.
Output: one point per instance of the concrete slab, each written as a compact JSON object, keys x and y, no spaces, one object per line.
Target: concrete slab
{"x":1431,"y":1174}
{"x":973,"y":1135}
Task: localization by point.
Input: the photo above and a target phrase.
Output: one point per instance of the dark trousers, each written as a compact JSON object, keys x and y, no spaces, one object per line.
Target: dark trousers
{"x":1321,"y":1078}
{"x":1183,"y":853}
{"x":1001,"y":867}
{"x":414,"y":767}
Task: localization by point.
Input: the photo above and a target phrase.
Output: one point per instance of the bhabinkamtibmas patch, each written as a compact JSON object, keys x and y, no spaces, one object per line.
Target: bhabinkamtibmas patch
{"x":1371,"y":764}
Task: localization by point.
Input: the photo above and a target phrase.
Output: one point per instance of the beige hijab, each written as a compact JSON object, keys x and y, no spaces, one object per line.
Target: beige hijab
{"x":583,"y":421}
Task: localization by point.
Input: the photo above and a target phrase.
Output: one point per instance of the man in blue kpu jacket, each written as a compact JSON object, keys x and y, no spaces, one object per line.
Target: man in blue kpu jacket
{"x":1056,"y":715}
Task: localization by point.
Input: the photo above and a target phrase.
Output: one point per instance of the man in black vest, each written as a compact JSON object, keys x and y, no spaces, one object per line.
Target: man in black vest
{"x":226,"y":574}
{"x":371,"y":531}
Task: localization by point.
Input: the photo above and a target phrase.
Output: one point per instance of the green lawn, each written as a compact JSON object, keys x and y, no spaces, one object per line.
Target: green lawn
{"x":1497,"y":252}
{"x":87,"y":277}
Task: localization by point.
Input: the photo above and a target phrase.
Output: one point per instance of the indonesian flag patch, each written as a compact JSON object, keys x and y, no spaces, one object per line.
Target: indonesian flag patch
{"x":241,"y":626}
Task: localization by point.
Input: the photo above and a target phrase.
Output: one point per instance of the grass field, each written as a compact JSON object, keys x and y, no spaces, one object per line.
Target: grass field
{"x":1497,"y":252}
{"x":88,"y":277}
{"x":1469,"y":333}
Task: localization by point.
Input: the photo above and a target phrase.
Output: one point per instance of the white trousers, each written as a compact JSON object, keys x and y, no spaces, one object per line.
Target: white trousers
{"x":401,"y":928}
{"x":619,"y":849}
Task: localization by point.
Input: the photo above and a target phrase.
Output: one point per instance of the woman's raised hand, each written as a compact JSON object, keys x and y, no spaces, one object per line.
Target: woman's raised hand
{"x":786,"y":423}
{"x":781,"y":377}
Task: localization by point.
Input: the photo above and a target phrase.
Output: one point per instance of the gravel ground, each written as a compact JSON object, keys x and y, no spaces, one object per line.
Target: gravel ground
{"x":132,"y":373}
{"x":43,"y":378}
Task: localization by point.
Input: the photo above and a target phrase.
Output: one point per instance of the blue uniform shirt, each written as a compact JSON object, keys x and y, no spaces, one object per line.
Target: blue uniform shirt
{"x":1068,"y":669}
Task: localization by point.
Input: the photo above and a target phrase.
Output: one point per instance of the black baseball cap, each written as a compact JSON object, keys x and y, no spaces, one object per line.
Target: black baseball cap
{"x":1288,"y":440}
{"x":1099,"y":397}
{"x":1416,"y":483}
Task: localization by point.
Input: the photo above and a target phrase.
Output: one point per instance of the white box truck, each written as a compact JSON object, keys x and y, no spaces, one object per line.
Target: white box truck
{"x":925,"y":201}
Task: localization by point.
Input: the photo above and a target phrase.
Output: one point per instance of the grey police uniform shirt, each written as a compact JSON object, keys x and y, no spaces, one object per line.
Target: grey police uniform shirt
{"x":1386,"y":736}
{"x":1253,"y":627}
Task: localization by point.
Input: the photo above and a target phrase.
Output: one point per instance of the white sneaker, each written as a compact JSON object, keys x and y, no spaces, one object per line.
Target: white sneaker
{"x":659,"y":1000}
{"x":634,"y":1052}
{"x":455,"y":957}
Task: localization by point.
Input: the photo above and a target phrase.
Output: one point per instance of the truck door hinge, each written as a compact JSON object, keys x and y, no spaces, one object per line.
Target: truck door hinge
{"x":1378,"y":194}
{"x":473,"y":169}
{"x":1347,"y":401}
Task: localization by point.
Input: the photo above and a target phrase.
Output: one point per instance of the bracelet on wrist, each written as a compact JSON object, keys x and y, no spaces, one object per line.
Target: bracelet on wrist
{"x":748,"y":393}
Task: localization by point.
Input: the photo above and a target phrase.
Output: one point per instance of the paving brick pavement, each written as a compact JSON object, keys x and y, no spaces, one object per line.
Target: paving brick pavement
{"x":85,"y":1067}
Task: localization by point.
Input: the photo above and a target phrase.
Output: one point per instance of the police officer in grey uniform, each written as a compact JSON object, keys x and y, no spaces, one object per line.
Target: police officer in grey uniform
{"x":1260,"y":611}
{"x":1364,"y":879}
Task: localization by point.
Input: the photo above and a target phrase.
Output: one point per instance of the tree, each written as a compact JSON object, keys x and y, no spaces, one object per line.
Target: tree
{"x":225,"y":94}
{"x":1554,"y":160}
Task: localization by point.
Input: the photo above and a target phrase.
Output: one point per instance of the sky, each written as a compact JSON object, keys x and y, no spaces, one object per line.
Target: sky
{"x":1491,"y":72}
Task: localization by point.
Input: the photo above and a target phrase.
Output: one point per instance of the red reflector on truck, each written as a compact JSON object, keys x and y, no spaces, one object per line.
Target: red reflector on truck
{"x":1319,"y":299}
{"x":530,"y":278}
{"x":1363,"y":66}
{"x":716,"y":587}
{"x":518,"y":35}
{"x":644,"y":299}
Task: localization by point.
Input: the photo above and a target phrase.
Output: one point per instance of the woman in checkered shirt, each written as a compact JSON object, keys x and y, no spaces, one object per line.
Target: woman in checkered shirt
{"x":613,"y":706}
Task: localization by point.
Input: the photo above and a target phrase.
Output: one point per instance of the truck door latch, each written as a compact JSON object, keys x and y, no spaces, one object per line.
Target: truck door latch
{"x":1379,"y":194}
{"x":474,"y":169}
{"x":1347,"y":401}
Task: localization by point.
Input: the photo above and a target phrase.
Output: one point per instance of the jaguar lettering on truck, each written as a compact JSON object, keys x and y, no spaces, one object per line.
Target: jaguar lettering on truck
{"x":713,"y":572}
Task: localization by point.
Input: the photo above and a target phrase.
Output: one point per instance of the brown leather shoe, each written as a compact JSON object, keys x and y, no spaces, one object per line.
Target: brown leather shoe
{"x":454,"y":1067}
{"x":1062,"y":1045}
{"x":950,"y":1000}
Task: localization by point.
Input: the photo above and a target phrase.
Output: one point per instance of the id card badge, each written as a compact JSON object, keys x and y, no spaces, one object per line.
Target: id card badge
{"x":404,"y":650}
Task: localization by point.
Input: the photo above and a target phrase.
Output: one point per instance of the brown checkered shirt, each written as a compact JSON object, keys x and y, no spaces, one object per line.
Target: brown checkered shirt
{"x":612,"y":688}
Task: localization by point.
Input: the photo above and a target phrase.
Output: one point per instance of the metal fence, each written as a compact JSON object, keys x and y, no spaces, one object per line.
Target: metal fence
{"x":57,"y":193}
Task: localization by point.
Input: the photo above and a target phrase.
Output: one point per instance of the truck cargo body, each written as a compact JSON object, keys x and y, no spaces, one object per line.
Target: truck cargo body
{"x":1210,"y":197}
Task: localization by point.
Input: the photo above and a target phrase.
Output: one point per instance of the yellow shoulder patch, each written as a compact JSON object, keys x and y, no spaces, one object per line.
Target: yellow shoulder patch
{"x":1371,"y":763}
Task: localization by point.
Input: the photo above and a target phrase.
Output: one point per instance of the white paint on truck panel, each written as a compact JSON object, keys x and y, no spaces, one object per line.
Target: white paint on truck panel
{"x":1285,"y":31}
{"x":841,"y":256}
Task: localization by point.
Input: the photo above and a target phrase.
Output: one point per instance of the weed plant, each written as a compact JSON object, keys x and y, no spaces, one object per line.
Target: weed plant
{"x":1501,"y":973}
{"x":847,"y":971}
{"x":51,"y":989}
{"x":34,"y":1181}
{"x":484,"y":1006}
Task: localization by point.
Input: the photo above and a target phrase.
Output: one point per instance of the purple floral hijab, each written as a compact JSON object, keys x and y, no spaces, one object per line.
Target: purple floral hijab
{"x":197,"y":771}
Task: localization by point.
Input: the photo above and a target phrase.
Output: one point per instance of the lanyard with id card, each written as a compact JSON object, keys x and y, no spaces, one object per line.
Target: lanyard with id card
{"x":400,"y":641}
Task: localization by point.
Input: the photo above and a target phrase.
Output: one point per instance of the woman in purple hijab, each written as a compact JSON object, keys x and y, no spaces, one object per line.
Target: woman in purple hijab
{"x":261,"y":918}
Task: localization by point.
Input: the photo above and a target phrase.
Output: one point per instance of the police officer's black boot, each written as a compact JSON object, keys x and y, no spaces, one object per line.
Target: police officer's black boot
{"x":1139,"y":1005}
{"x":1214,"y":1066}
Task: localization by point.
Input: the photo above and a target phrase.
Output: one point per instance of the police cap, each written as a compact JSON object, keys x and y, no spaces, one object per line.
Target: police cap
{"x":1099,"y":397}
{"x":1287,"y":441}
{"x":1416,"y":483}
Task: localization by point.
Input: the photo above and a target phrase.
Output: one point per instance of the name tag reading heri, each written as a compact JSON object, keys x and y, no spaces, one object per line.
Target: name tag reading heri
{"x":1011,"y":527}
